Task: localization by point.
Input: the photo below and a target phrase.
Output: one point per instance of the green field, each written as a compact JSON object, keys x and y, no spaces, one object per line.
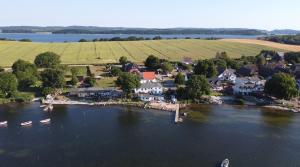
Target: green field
{"x":137,"y":51}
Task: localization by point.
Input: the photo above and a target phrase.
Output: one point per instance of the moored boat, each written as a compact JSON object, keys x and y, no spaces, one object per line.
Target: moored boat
{"x":4,"y":123}
{"x":28,"y":123}
{"x":45,"y":121}
{"x":225,"y":163}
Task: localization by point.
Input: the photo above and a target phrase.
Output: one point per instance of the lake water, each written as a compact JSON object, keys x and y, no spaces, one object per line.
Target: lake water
{"x":89,"y":136}
{"x":77,"y":37}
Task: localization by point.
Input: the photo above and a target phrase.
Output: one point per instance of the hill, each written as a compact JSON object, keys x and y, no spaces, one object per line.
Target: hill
{"x":137,"y":51}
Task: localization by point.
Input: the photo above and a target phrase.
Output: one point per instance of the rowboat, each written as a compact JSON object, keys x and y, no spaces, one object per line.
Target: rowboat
{"x":28,"y":123}
{"x":4,"y":123}
{"x":45,"y":121}
{"x":225,"y":163}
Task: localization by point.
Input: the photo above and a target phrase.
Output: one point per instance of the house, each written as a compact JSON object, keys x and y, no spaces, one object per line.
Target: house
{"x":248,"y":70}
{"x":148,"y":77}
{"x":227,"y":76}
{"x":150,"y":88}
{"x":132,"y":68}
{"x":248,"y":86}
{"x":149,"y":97}
{"x":96,"y":93}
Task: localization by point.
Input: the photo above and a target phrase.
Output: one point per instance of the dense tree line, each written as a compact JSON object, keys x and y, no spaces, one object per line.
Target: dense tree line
{"x":285,"y":39}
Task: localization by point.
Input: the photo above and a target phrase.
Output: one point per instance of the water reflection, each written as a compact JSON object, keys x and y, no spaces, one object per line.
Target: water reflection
{"x":276,"y":117}
{"x":198,"y":113}
{"x":129,"y":117}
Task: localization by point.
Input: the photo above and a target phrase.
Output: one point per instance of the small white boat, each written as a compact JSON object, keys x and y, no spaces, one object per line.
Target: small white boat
{"x":42,"y":106}
{"x":45,"y":121}
{"x":28,"y":123}
{"x":225,"y":163}
{"x":4,"y":123}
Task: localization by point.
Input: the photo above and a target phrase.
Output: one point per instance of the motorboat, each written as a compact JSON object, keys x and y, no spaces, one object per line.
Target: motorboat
{"x":45,"y":121}
{"x":225,"y":163}
{"x":4,"y":123}
{"x":28,"y":123}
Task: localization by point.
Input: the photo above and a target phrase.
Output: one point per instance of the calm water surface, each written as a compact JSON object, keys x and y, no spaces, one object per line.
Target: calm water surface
{"x":77,"y":37}
{"x":88,"y":136}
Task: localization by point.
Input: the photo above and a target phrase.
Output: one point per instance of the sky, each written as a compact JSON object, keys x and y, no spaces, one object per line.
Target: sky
{"x":259,"y":14}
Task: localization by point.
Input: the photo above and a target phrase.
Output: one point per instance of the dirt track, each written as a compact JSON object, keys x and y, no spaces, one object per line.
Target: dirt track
{"x":294,"y":48}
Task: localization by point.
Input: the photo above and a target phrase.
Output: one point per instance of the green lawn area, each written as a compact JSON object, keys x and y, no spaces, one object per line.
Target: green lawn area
{"x":82,"y":70}
{"x":106,"y":82}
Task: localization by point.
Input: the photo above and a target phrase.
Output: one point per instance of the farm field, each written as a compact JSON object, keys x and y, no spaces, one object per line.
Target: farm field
{"x":295,"y":48}
{"x":137,"y":51}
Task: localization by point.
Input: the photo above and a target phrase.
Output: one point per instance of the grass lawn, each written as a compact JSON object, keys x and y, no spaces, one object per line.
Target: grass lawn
{"x":82,"y":70}
{"x":106,"y":82}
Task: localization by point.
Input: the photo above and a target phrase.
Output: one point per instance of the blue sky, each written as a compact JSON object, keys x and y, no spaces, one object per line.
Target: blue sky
{"x":261,"y":14}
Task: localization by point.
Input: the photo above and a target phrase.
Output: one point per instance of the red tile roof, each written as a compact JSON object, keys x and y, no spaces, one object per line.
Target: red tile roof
{"x":148,"y":75}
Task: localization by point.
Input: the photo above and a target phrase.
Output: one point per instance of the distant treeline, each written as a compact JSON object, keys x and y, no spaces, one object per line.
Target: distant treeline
{"x":285,"y":39}
{"x":134,"y":38}
{"x":21,"y":40}
{"x":164,"y":31}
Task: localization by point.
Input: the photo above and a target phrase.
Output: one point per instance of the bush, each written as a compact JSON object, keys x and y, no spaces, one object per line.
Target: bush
{"x":47,"y":91}
{"x":23,"y":97}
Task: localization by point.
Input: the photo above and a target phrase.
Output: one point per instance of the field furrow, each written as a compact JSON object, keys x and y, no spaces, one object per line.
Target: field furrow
{"x":137,"y":51}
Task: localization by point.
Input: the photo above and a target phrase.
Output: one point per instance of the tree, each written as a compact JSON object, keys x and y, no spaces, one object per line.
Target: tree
{"x":47,"y":91}
{"x":198,"y":86}
{"x":26,"y":73}
{"x":8,"y":84}
{"x":123,"y":60}
{"x":53,"y":78}
{"x":221,"y":64}
{"x":115,"y":71}
{"x":74,"y":80}
{"x":1,"y":69}
{"x":206,"y":68}
{"x":167,"y":67}
{"x":128,"y":82}
{"x":181,"y":93}
{"x":91,"y":82}
{"x":260,"y":61}
{"x":157,"y":38}
{"x":152,"y":62}
{"x":83,"y":40}
{"x":47,"y":60}
{"x":281,"y":85}
{"x":74,"y":71}
{"x":180,"y":79}
{"x":222,"y":55}
{"x":292,"y":57}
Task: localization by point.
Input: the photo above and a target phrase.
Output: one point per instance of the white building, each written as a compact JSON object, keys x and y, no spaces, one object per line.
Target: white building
{"x":149,"y":97}
{"x":248,"y":85}
{"x":150,"y":88}
{"x":228,"y":75}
